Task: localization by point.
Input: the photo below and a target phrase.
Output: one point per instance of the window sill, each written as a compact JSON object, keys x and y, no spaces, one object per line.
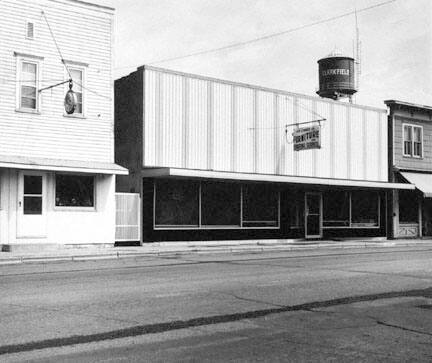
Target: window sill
{"x":27,"y":110}
{"x":413,"y":157}
{"x":74,"y":116}
{"x":74,"y":209}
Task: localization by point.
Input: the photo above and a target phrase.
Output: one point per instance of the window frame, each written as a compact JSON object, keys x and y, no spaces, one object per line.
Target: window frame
{"x":21,"y":59}
{"x":412,"y":141}
{"x":77,"y":66}
{"x":75,"y":208}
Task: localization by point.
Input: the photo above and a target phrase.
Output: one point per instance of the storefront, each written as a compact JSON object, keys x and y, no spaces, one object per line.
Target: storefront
{"x":206,"y":206}
{"x":410,"y":161}
{"x":47,"y":203}
{"x":218,"y":160}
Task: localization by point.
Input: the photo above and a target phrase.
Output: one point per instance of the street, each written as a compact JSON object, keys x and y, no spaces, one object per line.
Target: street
{"x":317,"y":305}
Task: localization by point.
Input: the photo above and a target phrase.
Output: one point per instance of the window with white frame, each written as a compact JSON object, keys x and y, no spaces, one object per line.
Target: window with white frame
{"x":78,"y":81}
{"x":28,"y":84}
{"x":412,"y":141}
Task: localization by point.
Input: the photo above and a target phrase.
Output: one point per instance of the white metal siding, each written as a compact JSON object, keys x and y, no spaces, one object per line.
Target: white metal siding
{"x":128,"y":226}
{"x":241,"y":128}
{"x":84,"y":35}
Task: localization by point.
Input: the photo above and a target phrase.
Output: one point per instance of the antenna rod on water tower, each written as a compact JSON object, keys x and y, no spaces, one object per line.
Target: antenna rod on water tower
{"x":358,"y":53}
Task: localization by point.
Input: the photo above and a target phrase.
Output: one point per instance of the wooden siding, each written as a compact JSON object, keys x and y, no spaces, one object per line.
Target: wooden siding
{"x":241,"y":128}
{"x":84,"y":35}
{"x":410,"y":163}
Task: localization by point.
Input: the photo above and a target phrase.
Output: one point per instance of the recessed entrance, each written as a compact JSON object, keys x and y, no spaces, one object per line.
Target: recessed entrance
{"x":313,"y":215}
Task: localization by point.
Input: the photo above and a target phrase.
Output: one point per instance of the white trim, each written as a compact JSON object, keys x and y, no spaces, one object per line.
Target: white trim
{"x":61,"y":165}
{"x":207,"y":174}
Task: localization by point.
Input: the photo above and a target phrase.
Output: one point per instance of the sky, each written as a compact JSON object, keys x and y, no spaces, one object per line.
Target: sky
{"x":396,"y":42}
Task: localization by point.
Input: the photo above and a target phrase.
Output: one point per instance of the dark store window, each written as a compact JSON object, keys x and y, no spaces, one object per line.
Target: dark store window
{"x":220,"y":204}
{"x":364,"y":209}
{"x":260,"y":206}
{"x":336,"y":209}
{"x":74,"y":191}
{"x":177,"y":203}
{"x":408,"y":207}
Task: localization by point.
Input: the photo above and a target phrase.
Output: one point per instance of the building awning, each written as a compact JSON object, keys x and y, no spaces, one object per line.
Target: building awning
{"x":207,"y":174}
{"x":422,"y":182}
{"x":30,"y":163}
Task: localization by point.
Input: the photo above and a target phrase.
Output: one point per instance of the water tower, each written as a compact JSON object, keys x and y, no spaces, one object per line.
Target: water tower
{"x":336,"y":77}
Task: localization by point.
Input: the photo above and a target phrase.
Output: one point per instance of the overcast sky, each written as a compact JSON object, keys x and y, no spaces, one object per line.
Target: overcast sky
{"x":396,"y":42}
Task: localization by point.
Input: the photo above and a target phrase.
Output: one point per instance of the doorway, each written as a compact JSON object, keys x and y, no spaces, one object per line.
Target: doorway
{"x":313,"y":215}
{"x":31,"y":205}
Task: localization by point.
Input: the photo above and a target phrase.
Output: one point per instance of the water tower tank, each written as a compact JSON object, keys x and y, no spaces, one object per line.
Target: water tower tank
{"x":336,"y":76}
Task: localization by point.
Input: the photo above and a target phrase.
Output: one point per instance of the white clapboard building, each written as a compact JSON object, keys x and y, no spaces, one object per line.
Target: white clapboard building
{"x":219,"y":160}
{"x":57,"y":171}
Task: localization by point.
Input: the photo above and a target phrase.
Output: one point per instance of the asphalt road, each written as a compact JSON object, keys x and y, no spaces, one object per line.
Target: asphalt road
{"x":335,"y":305}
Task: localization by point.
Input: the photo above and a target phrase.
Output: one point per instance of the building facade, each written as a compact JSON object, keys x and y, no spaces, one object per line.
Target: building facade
{"x":57,"y":171}
{"x":410,"y":161}
{"x":218,"y":160}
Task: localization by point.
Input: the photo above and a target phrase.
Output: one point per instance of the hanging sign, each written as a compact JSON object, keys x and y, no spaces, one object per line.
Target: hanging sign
{"x":70,"y":102}
{"x":306,"y":138}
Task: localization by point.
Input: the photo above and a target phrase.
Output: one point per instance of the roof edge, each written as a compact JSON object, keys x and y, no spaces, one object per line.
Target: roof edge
{"x":390,"y":103}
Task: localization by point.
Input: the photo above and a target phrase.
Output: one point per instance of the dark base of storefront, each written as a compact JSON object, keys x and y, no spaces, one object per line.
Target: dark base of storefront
{"x":203,"y":210}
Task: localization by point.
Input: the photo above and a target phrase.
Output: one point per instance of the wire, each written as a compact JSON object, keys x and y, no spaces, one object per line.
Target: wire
{"x":268,"y":36}
{"x":92,"y":91}
{"x":58,"y":48}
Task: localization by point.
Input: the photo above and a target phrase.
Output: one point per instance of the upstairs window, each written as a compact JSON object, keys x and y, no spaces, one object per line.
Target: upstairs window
{"x":28,"y":81}
{"x":78,"y":82}
{"x":412,"y":141}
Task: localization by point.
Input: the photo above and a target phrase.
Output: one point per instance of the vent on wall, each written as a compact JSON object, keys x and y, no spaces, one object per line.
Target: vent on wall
{"x":29,"y":30}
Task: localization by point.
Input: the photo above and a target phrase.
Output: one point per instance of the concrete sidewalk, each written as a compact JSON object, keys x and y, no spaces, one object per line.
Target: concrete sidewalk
{"x":82,"y":253}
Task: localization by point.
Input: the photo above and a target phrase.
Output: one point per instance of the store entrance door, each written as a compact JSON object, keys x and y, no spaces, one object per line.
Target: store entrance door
{"x":313,"y":215}
{"x":31,"y":211}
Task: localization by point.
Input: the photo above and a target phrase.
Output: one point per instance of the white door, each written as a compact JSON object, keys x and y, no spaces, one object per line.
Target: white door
{"x":31,"y":206}
{"x":313,"y":215}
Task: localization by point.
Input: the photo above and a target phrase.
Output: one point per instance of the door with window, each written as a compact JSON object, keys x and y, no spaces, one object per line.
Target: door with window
{"x":313,"y":215}
{"x":31,"y":206}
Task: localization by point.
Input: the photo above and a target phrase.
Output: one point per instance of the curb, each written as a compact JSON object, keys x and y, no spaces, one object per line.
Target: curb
{"x":255,"y":248}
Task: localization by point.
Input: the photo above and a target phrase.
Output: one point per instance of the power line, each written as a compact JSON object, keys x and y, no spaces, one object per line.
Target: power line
{"x":268,"y":36}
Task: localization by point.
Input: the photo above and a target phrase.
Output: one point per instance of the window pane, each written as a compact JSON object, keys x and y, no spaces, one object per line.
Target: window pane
{"x":74,"y":191}
{"x":32,"y":205}
{"x":364,"y":208}
{"x":77,"y":77}
{"x":407,"y":133}
{"x":260,"y":206}
{"x":417,"y":149}
{"x":28,"y":103}
{"x":29,"y":71}
{"x":407,"y":147}
{"x":220,"y":204}
{"x":336,"y":209}
{"x":28,"y":92}
{"x":408,"y":207}
{"x":417,"y":134}
{"x":176,"y":203}
{"x":32,"y":184}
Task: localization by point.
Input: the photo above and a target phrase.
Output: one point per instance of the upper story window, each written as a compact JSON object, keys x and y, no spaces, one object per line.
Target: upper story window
{"x":412,"y":141}
{"x":28,"y":85}
{"x":78,"y":78}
